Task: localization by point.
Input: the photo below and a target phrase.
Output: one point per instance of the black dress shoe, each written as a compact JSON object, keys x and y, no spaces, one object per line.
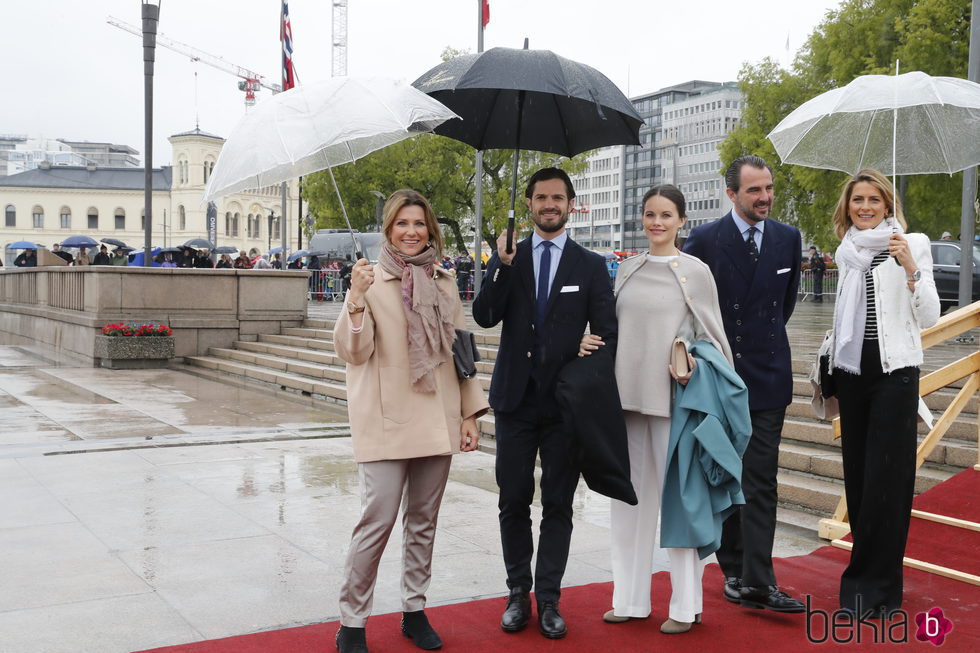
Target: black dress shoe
{"x":769,"y":598}
{"x":518,"y":611}
{"x":733,"y":585}
{"x":550,"y":622}
{"x":415,"y":626}
{"x":351,"y":640}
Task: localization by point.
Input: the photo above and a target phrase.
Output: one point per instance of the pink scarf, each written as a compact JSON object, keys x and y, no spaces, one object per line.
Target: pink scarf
{"x":429,"y":312}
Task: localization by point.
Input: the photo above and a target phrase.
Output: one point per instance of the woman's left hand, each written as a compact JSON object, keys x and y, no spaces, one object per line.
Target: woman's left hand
{"x":899,"y":248}
{"x":684,"y":378}
{"x":469,"y":435}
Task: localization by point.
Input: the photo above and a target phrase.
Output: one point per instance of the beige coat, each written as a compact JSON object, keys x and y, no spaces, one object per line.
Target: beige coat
{"x":389,"y":420}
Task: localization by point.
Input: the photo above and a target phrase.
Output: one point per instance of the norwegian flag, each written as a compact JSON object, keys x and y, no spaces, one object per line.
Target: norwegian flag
{"x":286,"y":36}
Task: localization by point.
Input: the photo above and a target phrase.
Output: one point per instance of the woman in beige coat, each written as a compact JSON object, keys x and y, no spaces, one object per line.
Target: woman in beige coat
{"x":408,"y":410}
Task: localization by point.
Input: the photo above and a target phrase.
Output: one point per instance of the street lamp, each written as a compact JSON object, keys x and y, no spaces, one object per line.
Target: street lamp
{"x":378,"y":206}
{"x":151,"y":16}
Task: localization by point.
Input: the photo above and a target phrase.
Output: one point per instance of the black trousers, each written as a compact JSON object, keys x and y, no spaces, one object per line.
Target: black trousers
{"x":747,"y":534}
{"x":535,"y":428}
{"x":878,"y":415}
{"x":818,"y":286}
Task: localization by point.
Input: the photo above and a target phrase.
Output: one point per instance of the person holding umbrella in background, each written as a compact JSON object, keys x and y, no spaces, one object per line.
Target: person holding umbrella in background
{"x":545,"y":293}
{"x":119,"y":257}
{"x":875,"y":353}
{"x":26,"y":259}
{"x":817,"y":269}
{"x":409,"y":411}
{"x":82,"y":258}
{"x":102,"y":258}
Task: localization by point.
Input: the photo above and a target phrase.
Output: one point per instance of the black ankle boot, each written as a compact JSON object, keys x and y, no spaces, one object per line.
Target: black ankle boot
{"x":415,"y":625}
{"x":351,"y":640}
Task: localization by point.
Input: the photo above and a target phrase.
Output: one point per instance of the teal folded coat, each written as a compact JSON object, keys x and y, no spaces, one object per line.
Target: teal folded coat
{"x":709,"y":430}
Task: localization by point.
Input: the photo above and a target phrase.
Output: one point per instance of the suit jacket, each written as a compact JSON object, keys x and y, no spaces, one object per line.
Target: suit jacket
{"x":580,"y":295}
{"x":588,"y":396}
{"x":756,"y":302}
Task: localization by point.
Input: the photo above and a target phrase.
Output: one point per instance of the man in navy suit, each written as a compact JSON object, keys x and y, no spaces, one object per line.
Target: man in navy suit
{"x":545,"y":292}
{"x":756,"y":264}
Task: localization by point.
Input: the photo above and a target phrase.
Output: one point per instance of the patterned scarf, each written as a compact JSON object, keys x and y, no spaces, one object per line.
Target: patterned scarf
{"x":429,"y":312}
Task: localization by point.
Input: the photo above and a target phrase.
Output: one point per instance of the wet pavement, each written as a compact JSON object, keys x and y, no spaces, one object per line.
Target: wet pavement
{"x":144,"y":508}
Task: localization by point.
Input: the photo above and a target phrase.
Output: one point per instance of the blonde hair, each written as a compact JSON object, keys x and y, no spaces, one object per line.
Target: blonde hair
{"x":406,"y":197}
{"x":842,"y":219}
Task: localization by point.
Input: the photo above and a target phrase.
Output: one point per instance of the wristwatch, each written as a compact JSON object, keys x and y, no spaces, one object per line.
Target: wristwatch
{"x":915,"y":276}
{"x":353,"y":308}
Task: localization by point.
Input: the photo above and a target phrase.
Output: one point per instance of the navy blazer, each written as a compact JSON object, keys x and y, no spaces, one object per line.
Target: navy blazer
{"x":755,"y":302}
{"x":580,"y":295}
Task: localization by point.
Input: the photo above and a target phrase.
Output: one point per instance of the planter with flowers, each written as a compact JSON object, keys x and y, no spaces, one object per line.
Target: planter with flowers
{"x":134,"y":346}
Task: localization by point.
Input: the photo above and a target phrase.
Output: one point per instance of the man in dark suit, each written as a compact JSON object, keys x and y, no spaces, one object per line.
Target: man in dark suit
{"x":545,"y":292}
{"x":756,"y":264}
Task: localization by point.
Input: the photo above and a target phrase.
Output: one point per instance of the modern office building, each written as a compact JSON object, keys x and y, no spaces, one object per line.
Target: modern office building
{"x":19,"y":153}
{"x":683,"y":126}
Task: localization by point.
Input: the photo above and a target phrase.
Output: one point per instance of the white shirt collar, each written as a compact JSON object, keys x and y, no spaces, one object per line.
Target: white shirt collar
{"x":743,"y":225}
{"x":558,"y":241}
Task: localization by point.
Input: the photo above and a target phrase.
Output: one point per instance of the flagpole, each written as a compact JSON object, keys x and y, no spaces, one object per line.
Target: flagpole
{"x":284,"y":223}
{"x":478,"y":221}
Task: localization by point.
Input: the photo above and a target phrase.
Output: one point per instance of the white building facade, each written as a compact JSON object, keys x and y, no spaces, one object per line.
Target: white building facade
{"x":50,"y":203}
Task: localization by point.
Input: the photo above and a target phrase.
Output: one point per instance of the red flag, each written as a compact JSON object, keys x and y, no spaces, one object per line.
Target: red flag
{"x":486,"y":12}
{"x":286,"y":36}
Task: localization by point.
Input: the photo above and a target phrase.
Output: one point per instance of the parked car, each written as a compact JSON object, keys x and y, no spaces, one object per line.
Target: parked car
{"x":946,"y":270}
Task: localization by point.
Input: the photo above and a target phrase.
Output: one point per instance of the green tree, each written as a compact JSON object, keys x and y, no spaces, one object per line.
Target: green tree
{"x":861,"y":37}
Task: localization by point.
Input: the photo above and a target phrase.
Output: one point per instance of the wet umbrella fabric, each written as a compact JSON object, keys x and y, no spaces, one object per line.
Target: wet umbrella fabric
{"x":22,"y":244}
{"x":199,"y":243}
{"x":226,"y":249}
{"x":530,"y":100}
{"x":561,"y":106}
{"x":79,"y":241}
{"x":927,"y":124}
{"x":114,"y":241}
{"x":297,"y":255}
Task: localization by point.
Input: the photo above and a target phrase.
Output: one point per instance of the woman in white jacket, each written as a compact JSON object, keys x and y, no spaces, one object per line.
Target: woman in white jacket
{"x":886,"y":295}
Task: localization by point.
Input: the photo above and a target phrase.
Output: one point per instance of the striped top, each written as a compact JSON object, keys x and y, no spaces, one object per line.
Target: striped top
{"x":871,"y":321}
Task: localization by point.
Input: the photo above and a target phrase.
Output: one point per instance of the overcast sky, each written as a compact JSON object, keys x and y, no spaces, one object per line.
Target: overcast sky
{"x":66,"y":73}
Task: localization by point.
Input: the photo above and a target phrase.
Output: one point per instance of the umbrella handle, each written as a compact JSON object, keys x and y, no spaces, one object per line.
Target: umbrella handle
{"x":510,"y":233}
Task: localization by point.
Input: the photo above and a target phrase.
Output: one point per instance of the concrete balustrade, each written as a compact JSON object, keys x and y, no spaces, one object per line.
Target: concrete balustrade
{"x":66,"y":307}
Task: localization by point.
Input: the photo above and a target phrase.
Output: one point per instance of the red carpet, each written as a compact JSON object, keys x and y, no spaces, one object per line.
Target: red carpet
{"x":472,"y":627}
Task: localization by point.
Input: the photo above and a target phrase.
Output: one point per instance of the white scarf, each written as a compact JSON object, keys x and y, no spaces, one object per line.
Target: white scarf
{"x":855,"y":253}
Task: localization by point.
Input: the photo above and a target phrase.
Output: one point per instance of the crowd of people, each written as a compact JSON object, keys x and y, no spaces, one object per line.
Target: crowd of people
{"x":697,"y":342}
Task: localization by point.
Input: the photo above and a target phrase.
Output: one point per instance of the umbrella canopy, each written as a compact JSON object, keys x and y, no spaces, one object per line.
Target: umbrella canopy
{"x":530,"y":100}
{"x":298,"y":254}
{"x":199,"y":243}
{"x":114,"y":241}
{"x":274,"y":250}
{"x":316,"y":126}
{"x":928,"y":124}
{"x":79,"y":241}
{"x":22,"y":244}
{"x":171,"y":250}
{"x":226,"y":249}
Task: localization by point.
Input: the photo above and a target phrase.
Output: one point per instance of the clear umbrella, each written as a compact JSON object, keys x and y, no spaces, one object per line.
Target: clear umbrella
{"x":317,"y":126}
{"x":898,"y":124}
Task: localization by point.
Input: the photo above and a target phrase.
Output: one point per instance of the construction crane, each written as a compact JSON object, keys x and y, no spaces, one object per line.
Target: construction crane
{"x":251,"y":82}
{"x":339,"y":39}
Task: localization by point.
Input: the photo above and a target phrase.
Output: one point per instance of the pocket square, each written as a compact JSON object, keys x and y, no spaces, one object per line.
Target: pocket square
{"x":783,"y":271}
{"x":569,"y":289}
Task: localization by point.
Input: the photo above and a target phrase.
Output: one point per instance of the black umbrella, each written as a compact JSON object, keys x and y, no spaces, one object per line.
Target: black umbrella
{"x":114,"y":241}
{"x":530,"y":100}
{"x":226,"y":249}
{"x":199,"y":243}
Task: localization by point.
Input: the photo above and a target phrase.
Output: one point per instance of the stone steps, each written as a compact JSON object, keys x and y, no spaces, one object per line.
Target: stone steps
{"x":302,"y":361}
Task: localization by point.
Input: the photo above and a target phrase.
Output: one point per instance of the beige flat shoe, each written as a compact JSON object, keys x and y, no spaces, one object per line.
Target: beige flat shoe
{"x":611,"y":618}
{"x":672,"y":627}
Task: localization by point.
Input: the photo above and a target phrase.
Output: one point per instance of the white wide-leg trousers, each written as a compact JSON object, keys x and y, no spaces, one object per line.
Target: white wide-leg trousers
{"x":634,"y":530}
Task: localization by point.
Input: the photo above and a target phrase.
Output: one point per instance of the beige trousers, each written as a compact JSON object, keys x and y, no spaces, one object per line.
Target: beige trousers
{"x":634,"y":530}
{"x":417,"y":484}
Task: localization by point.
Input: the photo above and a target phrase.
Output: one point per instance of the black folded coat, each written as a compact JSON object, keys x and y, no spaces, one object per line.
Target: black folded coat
{"x":593,"y":416}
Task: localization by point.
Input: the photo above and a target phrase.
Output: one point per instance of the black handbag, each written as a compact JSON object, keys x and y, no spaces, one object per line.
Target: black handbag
{"x":828,"y":387}
{"x":465,"y":354}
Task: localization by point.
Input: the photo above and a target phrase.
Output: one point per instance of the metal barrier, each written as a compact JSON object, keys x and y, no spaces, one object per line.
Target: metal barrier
{"x":327,"y":286}
{"x":818,"y":289}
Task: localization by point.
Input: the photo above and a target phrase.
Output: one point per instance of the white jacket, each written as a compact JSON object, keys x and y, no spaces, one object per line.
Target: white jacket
{"x":902,"y":314}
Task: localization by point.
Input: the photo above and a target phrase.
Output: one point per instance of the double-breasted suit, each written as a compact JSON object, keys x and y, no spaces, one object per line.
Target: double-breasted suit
{"x":757,"y":299}
{"x":528,"y":421}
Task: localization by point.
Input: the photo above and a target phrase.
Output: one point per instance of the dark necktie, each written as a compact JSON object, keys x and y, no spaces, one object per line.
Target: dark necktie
{"x":544,"y":271}
{"x":750,"y":242}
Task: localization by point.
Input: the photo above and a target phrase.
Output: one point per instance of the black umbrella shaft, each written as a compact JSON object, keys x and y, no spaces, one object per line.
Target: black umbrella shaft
{"x":513,"y":183}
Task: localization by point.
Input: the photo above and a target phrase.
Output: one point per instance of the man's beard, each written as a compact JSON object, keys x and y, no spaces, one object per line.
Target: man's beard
{"x":751,"y":214}
{"x":550,"y":228}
